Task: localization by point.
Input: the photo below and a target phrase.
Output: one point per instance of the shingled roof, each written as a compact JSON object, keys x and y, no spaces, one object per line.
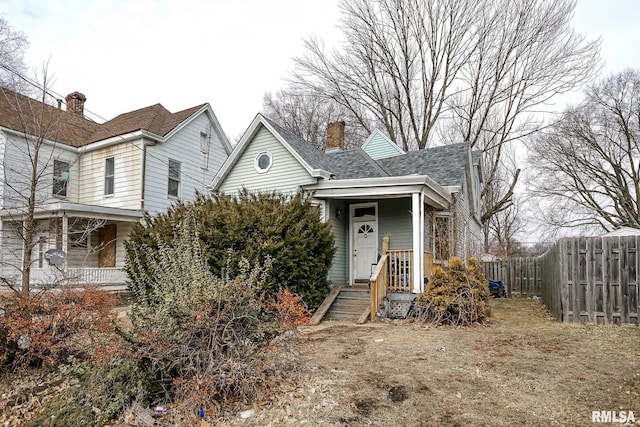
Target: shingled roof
{"x":315,"y":158}
{"x":353,"y":164}
{"x":154,"y":119}
{"x":17,"y":113}
{"x":445,"y":164}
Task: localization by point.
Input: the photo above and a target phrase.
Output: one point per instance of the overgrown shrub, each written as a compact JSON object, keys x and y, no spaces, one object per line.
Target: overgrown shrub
{"x":459,"y":296}
{"x":209,"y":339}
{"x":49,"y":327}
{"x":253,"y":226}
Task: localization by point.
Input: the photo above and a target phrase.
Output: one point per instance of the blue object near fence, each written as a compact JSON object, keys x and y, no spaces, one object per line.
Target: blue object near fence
{"x":497,"y":289}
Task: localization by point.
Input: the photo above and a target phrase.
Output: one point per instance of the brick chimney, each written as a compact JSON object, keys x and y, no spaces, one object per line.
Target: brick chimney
{"x":75,"y":103}
{"x":335,"y":136}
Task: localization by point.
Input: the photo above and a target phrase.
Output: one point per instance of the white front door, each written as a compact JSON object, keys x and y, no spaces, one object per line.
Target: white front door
{"x":364,"y":241}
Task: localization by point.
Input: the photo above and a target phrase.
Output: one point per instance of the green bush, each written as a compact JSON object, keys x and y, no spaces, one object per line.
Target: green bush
{"x":255,"y":226}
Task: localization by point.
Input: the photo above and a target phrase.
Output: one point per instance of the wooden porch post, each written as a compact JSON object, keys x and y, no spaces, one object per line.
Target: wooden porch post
{"x":417,"y":219}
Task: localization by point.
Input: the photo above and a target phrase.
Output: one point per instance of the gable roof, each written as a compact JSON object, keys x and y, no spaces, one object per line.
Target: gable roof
{"x":446,"y":165}
{"x":17,"y":112}
{"x":154,"y":119}
{"x":379,"y":146}
{"x":311,"y":155}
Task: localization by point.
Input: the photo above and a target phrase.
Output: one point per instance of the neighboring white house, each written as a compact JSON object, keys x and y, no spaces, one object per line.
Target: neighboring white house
{"x":96,"y":180}
{"x":427,"y":202}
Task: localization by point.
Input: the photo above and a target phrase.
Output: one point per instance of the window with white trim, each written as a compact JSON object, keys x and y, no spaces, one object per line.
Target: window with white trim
{"x":174,"y":179}
{"x":109,"y":176}
{"x":60,"y":178}
{"x":263,"y":162}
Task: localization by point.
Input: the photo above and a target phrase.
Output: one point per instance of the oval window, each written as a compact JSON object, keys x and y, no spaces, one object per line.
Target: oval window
{"x":263,"y":162}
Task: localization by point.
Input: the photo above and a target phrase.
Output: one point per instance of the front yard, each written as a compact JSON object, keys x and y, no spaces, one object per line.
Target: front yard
{"x":524,"y":369}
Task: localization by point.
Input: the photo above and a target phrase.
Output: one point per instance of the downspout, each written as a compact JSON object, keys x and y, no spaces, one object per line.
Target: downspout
{"x":143,"y":174}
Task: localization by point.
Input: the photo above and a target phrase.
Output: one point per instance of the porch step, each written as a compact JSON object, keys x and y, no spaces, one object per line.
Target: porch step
{"x":350,"y":303}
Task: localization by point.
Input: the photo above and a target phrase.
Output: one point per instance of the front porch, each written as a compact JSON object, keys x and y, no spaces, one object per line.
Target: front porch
{"x":90,"y":237}
{"x":389,"y":289}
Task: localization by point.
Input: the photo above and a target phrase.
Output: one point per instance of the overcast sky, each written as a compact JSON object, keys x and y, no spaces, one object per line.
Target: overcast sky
{"x":128,"y":54}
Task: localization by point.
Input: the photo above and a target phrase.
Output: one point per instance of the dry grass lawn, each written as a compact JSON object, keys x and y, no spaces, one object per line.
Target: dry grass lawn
{"x":524,"y":369}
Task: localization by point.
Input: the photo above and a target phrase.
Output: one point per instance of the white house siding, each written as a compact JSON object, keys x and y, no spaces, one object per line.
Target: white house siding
{"x":379,"y":147}
{"x":16,"y":178}
{"x":197,"y":169}
{"x":10,"y":251}
{"x":3,"y":144}
{"x":285,"y":176}
{"x":394,"y":220}
{"x":338,"y":274}
{"x":127,"y":176}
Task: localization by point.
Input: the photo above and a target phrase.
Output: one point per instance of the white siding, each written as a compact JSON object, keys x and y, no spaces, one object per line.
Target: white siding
{"x":197,"y":169}
{"x":338,"y":274}
{"x":380,"y":147}
{"x":127,"y":179}
{"x":285,"y":176}
{"x":3,"y":144}
{"x":16,"y":178}
{"x":10,"y":252}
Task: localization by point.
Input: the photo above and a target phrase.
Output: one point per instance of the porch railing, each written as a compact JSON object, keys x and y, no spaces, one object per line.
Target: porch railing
{"x":394,"y":273}
{"x":400,"y":270}
{"x":79,"y":275}
{"x":379,"y":283}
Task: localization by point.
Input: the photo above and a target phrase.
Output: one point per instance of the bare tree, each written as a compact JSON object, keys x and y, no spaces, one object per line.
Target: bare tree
{"x":439,"y":71}
{"x":307,"y":116}
{"x":587,"y":166}
{"x":33,"y":176}
{"x":12,"y":47}
{"x":504,"y":227}
{"x":526,"y":54}
{"x":397,"y":66}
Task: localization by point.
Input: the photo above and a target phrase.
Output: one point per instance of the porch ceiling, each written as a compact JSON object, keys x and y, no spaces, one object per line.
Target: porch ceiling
{"x":76,"y":210}
{"x":380,"y":188}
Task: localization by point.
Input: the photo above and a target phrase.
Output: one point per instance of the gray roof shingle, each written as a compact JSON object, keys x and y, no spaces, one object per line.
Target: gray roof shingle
{"x":314,"y":157}
{"x":445,"y":164}
{"x":354,"y":164}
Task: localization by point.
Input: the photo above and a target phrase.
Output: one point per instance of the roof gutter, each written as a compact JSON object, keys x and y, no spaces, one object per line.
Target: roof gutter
{"x":49,"y":142}
{"x":127,"y":137}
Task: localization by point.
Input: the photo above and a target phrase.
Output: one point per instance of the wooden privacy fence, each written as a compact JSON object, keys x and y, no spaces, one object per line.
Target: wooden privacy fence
{"x":521,"y":276}
{"x":586,"y":279}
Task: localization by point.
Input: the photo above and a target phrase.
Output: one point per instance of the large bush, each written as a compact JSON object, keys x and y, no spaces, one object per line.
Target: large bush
{"x":255,"y":226}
